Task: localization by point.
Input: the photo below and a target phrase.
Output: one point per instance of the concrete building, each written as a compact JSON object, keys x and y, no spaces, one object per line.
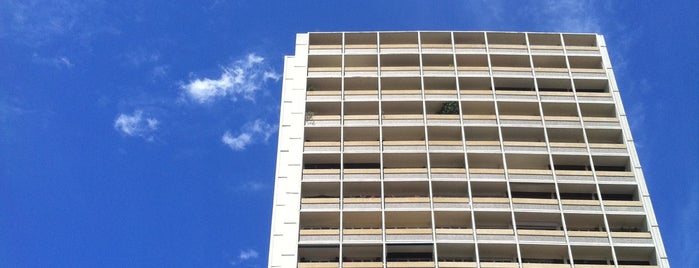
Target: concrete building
{"x":457,"y":149}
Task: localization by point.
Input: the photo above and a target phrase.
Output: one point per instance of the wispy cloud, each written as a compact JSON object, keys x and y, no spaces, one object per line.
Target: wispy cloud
{"x":136,"y":125}
{"x":570,"y":15}
{"x":242,"y":78}
{"x":245,"y":255}
{"x":250,"y":133}
{"x":58,"y":61}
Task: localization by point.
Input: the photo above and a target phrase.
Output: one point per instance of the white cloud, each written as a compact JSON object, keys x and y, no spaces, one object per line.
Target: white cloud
{"x":250,"y":133}
{"x":248,"y":254}
{"x":242,"y":78}
{"x":136,"y":125}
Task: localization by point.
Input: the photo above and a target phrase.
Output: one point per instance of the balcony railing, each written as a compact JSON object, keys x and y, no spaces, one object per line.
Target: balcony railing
{"x":574,"y":176}
{"x":457,"y":264}
{"x":595,"y":97}
{"x":514,"y":95}
{"x":588,"y":73}
{"x":364,"y":95}
{"x":323,"y":120}
{"x":473,"y":71}
{"x":489,"y":203}
{"x":483,"y":146}
{"x":558,"y":96}
{"x":487,"y":174}
{"x":545,"y":236}
{"x":450,"y":202}
{"x":535,"y":204}
{"x":443,"y":119}
{"x":572,"y":205}
{"x":391,"y":146}
{"x":361,"y":120}
{"x":321,"y":146}
{"x":323,"y":95}
{"x":361,"y":146}
{"x":479,"y":120}
{"x":352,"y":264}
{"x":495,"y":235}
{"x":568,"y":147}
{"x":362,"y":174}
{"x":521,"y":120}
{"x":530,"y":175}
{"x":410,"y":264}
{"x":453,"y":234}
{"x":595,"y":237}
{"x":601,"y":122}
{"x":448,"y":173}
{"x":632,"y":238}
{"x":615,"y":177}
{"x":623,"y":207}
{"x":368,"y":234}
{"x":408,"y":234}
{"x":524,"y":147}
{"x":320,"y":203}
{"x":407,"y":202}
{"x":318,"y":265}
{"x":319,"y":235}
{"x":362,"y":202}
{"x":499,"y":71}
{"x":321,"y":174}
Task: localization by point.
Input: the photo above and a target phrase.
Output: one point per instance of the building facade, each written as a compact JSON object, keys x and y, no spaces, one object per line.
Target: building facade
{"x":457,"y":149}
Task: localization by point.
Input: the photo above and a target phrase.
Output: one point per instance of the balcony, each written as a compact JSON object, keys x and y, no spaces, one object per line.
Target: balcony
{"x":400,"y":71}
{"x":436,"y":48}
{"x":556,"y":96}
{"x":520,"y":121}
{"x":401,"y":95}
{"x":473,"y":71}
{"x":313,"y":120}
{"x":595,"y":97}
{"x":546,"y":49}
{"x":568,"y":148}
{"x":361,"y":71}
{"x":361,"y":146}
{"x":588,"y":73}
{"x":495,"y":235}
{"x":632,"y":238}
{"x":541,"y":236}
{"x":507,"y":71}
{"x":443,"y":120}
{"x":360,"y":48}
{"x":320,"y":203}
{"x":615,"y":177}
{"x":367,"y":264}
{"x":601,"y":122}
{"x":319,"y":235}
{"x":491,"y":203}
{"x":562,"y":121}
{"x":515,"y":95}
{"x":318,"y":265}
{"x":574,"y":176}
{"x":581,"y":206}
{"x":362,"y":235}
{"x":407,"y":203}
{"x":399,"y":48}
{"x":525,"y":147}
{"x":582,"y":50}
{"x":454,"y":234}
{"x":450,"y":202}
{"x":371,"y":203}
{"x":408,"y":234}
{"x":469,"y":48}
{"x":448,"y":174}
{"x":479,"y":120}
{"x":321,"y":174}
{"x":402,"y":146}
{"x":362,"y":174}
{"x":530,"y":175}
{"x":608,"y":149}
{"x":403,"y":120}
{"x":534,"y":204}
{"x":507,"y":49}
{"x":487,"y":174}
{"x":361,"y":120}
{"x":321,"y":147}
{"x":542,"y":72}
{"x":483,"y":146}
{"x":323,"y":95}
{"x":458,"y":264}
{"x":361,"y":95}
{"x":623,"y":207}
{"x":325,"y":49}
{"x":324,"y":72}
{"x":438,"y":70}
{"x":410,"y":264}
{"x":588,"y":237}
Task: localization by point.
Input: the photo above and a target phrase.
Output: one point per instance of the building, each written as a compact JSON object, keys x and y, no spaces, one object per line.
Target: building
{"x":457,"y":149}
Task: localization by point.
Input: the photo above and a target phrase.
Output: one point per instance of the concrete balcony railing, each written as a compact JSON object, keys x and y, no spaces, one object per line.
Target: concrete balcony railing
{"x":324,"y":49}
{"x":521,"y":120}
{"x":321,"y":146}
{"x":594,"y":237}
{"x":399,"y":48}
{"x":632,"y":238}
{"x":491,"y":203}
{"x":360,"y":49}
{"x":558,"y":96}
{"x":324,"y":71}
{"x":369,"y":235}
{"x":454,"y":234}
{"x":562,"y":121}
{"x":546,"y":50}
{"x":582,"y":50}
{"x":616,"y":177}
{"x":361,"y":120}
{"x":595,"y":97}
{"x":323,"y":120}
{"x":443,"y":119}
{"x":361,"y":71}
{"x":362,"y":202}
{"x":393,"y":146}
{"x":450,"y":202}
{"x":541,"y":236}
{"x":608,"y":148}
{"x":364,"y":95}
{"x":545,"y":265}
{"x":400,"y":70}
{"x":403,"y":119}
{"x":321,"y":174}
{"x":502,"y":71}
{"x":361,"y":174}
{"x":450,"y":146}
{"x":495,"y":235}
{"x":440,"y":94}
{"x":407,"y":202}
{"x":457,"y":264}
{"x":601,"y":122}
{"x":436,"y":46}
{"x":473,"y":71}
{"x":530,"y":175}
{"x":469,"y":48}
{"x":410,"y":264}
{"x":323,"y":95}
{"x":568,"y":147}
{"x":574,"y":205}
{"x":535,"y":204}
{"x":588,"y":73}
{"x":479,"y":120}
{"x":318,"y":265}
{"x":352,"y":264}
{"x":402,"y":94}
{"x":483,"y":146}
{"x":623,"y":207}
{"x":499,"y":264}
{"x":487,"y":174}
{"x":444,"y":174}
{"x":314,"y":203}
{"x":361,"y":146}
{"x":507,"y":49}
{"x":515,"y":95}
{"x":525,"y":147}
{"x":319,"y":235}
{"x":408,"y":234}
{"x":574,"y":176}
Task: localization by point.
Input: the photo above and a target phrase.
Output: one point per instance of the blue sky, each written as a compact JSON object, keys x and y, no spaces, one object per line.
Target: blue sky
{"x":143,"y":133}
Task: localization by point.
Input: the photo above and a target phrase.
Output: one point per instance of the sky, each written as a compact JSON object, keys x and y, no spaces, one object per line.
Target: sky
{"x":143,"y":133}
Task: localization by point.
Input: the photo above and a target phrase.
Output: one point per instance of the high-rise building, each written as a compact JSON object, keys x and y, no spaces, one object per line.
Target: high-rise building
{"x":457,"y":149}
